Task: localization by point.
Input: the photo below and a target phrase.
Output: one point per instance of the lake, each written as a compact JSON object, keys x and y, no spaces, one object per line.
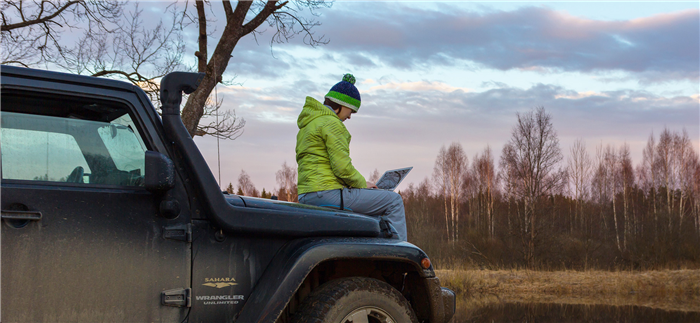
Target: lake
{"x":552,"y":312}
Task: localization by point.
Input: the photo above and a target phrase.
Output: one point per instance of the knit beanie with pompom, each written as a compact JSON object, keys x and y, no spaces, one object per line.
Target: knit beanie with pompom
{"x":345,"y":93}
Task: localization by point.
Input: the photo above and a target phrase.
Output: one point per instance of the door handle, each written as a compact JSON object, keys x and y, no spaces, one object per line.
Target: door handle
{"x":21,"y":215}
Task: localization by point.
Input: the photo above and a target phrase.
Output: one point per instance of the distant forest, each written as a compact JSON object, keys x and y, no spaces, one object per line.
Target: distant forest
{"x":534,"y":209}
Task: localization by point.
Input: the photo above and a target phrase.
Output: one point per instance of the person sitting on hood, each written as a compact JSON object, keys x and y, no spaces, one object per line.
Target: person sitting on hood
{"x":326,"y":175}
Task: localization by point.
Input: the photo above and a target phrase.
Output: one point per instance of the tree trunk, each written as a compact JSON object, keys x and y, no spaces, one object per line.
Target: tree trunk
{"x":617,"y":233}
{"x":234,"y":30}
{"x":625,"y":217}
{"x":202,"y":53}
{"x":447,"y":219}
{"x":680,"y":212}
{"x":531,"y":245}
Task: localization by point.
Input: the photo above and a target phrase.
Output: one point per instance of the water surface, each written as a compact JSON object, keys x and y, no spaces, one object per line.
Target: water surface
{"x":566,"y":313}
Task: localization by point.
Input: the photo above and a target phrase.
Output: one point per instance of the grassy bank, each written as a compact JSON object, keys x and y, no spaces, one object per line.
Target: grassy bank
{"x":667,"y":289}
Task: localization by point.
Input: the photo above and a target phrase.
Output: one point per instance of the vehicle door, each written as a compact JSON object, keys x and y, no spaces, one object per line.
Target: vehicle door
{"x":82,"y":239}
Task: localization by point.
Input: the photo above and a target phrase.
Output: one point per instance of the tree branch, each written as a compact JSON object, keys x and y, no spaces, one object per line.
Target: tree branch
{"x":254,"y":23}
{"x":39,"y":20}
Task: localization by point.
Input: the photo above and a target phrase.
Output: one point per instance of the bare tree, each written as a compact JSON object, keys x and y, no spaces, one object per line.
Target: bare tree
{"x":533,"y":155}
{"x":647,"y":175}
{"x":31,"y":30}
{"x":470,"y":195}
{"x":422,"y":193}
{"x":684,"y":158}
{"x":508,"y":183}
{"x":668,"y":166}
{"x":483,"y":174}
{"x":246,"y":186}
{"x":448,"y":172}
{"x":243,"y":20}
{"x":626,"y":177}
{"x":612,"y":184}
{"x":138,"y":52}
{"x":117,"y":43}
{"x":696,"y":191}
{"x":287,"y":180}
{"x":664,"y":164}
{"x":579,"y":168}
{"x":374,"y":177}
{"x":419,"y":211}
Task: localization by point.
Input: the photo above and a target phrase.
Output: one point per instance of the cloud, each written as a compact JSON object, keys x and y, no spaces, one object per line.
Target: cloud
{"x":417,"y":87}
{"x":405,"y":124}
{"x":655,"y":49}
{"x":438,"y":107}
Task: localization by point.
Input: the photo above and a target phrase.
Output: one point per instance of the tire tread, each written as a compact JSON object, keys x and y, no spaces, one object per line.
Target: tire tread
{"x":320,"y":302}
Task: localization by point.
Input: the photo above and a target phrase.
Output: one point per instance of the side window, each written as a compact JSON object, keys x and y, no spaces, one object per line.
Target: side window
{"x":124,"y":145}
{"x":39,"y":155}
{"x":70,"y":141}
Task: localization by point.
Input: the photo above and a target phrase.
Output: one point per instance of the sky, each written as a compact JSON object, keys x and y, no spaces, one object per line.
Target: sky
{"x":434,"y":73}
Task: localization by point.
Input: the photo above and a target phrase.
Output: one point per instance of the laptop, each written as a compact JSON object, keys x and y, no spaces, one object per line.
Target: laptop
{"x":392,"y":178}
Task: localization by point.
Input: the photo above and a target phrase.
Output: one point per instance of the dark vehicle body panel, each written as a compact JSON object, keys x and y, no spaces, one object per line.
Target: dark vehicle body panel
{"x":94,"y":244}
{"x":294,"y":262}
{"x":107,"y":253}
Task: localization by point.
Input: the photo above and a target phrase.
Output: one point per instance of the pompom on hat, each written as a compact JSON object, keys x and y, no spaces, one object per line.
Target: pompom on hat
{"x":345,"y":93}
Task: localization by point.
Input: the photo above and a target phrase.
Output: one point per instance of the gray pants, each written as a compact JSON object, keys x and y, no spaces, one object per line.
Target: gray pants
{"x":364,"y":201}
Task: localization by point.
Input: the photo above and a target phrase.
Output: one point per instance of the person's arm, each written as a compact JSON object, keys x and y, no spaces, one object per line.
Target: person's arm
{"x":338,"y":146}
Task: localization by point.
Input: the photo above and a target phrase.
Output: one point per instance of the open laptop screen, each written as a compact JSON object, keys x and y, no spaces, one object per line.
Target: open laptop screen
{"x":392,"y":178}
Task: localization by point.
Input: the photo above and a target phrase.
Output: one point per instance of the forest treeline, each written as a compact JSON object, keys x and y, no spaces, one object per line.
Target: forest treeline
{"x":286,"y":181}
{"x":533,"y":208}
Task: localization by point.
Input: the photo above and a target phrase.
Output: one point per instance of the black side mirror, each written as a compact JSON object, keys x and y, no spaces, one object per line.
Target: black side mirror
{"x":160,"y":172}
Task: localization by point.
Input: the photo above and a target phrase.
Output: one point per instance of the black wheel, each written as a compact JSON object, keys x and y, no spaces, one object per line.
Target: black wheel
{"x":355,"y":300}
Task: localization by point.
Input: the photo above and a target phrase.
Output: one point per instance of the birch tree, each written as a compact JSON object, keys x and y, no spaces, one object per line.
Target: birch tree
{"x":450,"y":165}
{"x":648,"y":177}
{"x":579,"y":167}
{"x":684,"y":157}
{"x":484,"y":178}
{"x":509,"y":183}
{"x":287,"y":181}
{"x":626,"y":176}
{"x":246,"y":186}
{"x":612,"y":184}
{"x":533,"y":154}
{"x":664,"y":166}
{"x":696,"y":192}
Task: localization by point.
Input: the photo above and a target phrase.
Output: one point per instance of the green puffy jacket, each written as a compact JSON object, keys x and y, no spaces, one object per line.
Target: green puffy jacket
{"x":323,"y":151}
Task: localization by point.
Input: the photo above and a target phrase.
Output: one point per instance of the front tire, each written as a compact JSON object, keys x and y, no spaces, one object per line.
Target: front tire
{"x":355,"y":300}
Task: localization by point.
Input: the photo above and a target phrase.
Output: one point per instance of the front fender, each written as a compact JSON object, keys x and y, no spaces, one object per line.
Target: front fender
{"x":297,"y":259}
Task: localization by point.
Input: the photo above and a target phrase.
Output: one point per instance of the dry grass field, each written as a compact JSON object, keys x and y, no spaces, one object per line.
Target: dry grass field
{"x":665,"y":289}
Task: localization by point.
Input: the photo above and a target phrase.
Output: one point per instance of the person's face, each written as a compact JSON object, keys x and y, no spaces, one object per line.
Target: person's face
{"x":345,"y":113}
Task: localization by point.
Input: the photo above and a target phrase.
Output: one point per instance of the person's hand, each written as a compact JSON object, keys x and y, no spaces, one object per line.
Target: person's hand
{"x":371,"y":185}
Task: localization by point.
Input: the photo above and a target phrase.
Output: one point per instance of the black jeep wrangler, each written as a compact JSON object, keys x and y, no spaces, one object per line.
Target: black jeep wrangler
{"x":110,"y":214}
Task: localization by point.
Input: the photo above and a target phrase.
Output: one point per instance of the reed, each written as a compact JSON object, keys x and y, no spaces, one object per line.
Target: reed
{"x":668,"y":289}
